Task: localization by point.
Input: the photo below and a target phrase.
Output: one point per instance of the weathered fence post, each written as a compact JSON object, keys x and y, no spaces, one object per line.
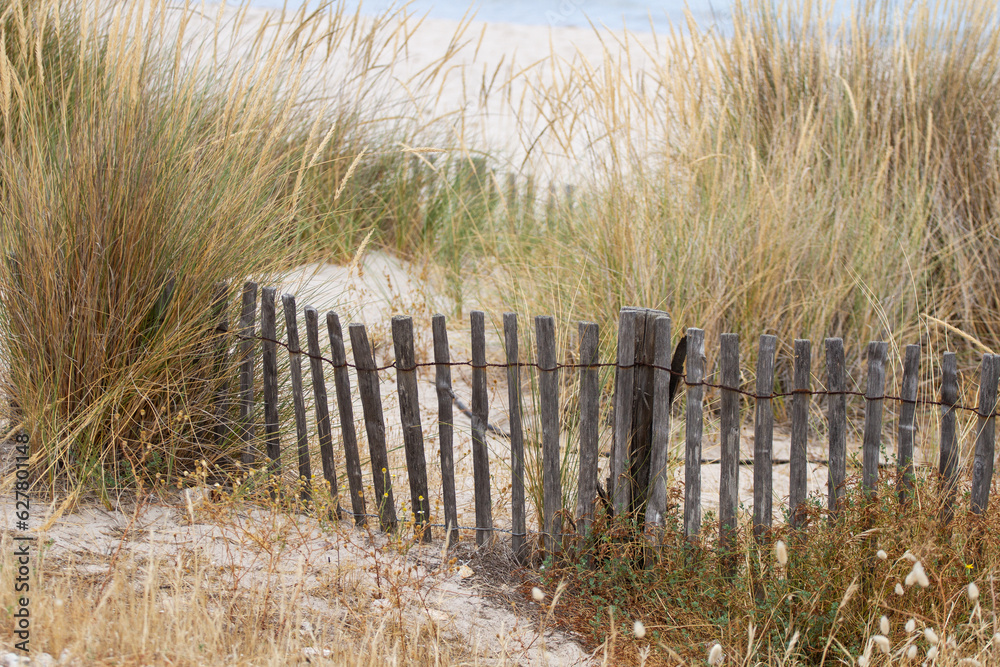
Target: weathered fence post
{"x":298,"y":400}
{"x":480,"y":416}
{"x":518,"y":529}
{"x":800,"y":434}
{"x":548,"y":389}
{"x":371,"y":403}
{"x":694,"y":426}
{"x":590,"y":393}
{"x":907,"y":413}
{"x":247,"y":318}
{"x":949,"y":447}
{"x":877,"y":352}
{"x":409,"y":415}
{"x":837,"y":417}
{"x":446,"y":426}
{"x":729,"y":432}
{"x":223,"y":427}
{"x":268,"y":332}
{"x":656,"y":506}
{"x":763,"y":438}
{"x":323,"y":427}
{"x":642,"y":406}
{"x":345,"y":407}
{"x":619,"y":487}
{"x":982,"y":465}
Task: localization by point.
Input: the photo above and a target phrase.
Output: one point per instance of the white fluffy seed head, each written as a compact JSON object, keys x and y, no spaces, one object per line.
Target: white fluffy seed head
{"x":909,"y":556}
{"x":882,"y":554}
{"x":537,"y":594}
{"x":911,"y":652}
{"x":781,"y":553}
{"x":910,"y":579}
{"x":862,"y":661}
{"x":882,"y":642}
{"x":996,"y":639}
{"x":899,"y":590}
{"x":715,"y":654}
{"x":911,"y":625}
{"x":932,"y":652}
{"x":920,"y":575}
{"x":973,"y":591}
{"x":930,"y":636}
{"x":883,"y":625}
{"x":639,"y":629}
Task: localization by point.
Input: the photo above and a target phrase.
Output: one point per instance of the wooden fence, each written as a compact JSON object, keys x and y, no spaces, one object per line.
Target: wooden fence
{"x":646,"y":376}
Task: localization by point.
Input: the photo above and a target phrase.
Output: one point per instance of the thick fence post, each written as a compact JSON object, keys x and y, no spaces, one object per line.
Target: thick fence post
{"x":729,"y":433}
{"x":446,"y":426}
{"x":877,"y":352}
{"x":409,"y":415}
{"x":323,"y":428}
{"x":694,"y":426}
{"x":656,"y":506}
{"x":548,"y":389}
{"x":247,"y":344}
{"x":345,"y":408}
{"x":907,"y":413}
{"x":837,"y":418}
{"x":763,"y":438}
{"x":519,"y":528}
{"x":982,"y":465}
{"x":268,"y":332}
{"x":949,"y":447}
{"x":642,"y":406}
{"x":800,"y":433}
{"x":298,"y":400}
{"x":590,"y":392}
{"x":371,"y":403}
{"x":480,"y":416}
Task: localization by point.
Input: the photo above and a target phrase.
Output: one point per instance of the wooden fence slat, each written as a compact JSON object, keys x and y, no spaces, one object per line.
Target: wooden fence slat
{"x":480,"y":416}
{"x":619,"y":485}
{"x":729,"y":474}
{"x":323,"y":428}
{"x":223,"y":426}
{"x":949,"y":446}
{"x":837,"y":418}
{"x":907,"y":414}
{"x":590,"y":393}
{"x":694,"y":426}
{"x":371,"y":403}
{"x":800,"y":433}
{"x":298,"y":399}
{"x":446,"y":426}
{"x":247,"y":318}
{"x":642,"y":406}
{"x":519,"y":542}
{"x":656,"y":505}
{"x":763,"y":438}
{"x":268,"y":332}
{"x":982,"y":465}
{"x":548,"y":389}
{"x":409,"y":415}
{"x":345,"y":409}
{"x":877,"y":353}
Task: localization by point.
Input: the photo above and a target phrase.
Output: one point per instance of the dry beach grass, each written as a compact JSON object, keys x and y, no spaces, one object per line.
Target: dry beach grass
{"x":783,"y":178}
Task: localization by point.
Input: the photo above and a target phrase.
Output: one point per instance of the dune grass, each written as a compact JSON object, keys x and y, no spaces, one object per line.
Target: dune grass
{"x":786,"y":178}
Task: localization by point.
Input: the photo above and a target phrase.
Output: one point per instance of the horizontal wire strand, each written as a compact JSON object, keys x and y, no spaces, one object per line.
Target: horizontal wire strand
{"x":636,"y":364}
